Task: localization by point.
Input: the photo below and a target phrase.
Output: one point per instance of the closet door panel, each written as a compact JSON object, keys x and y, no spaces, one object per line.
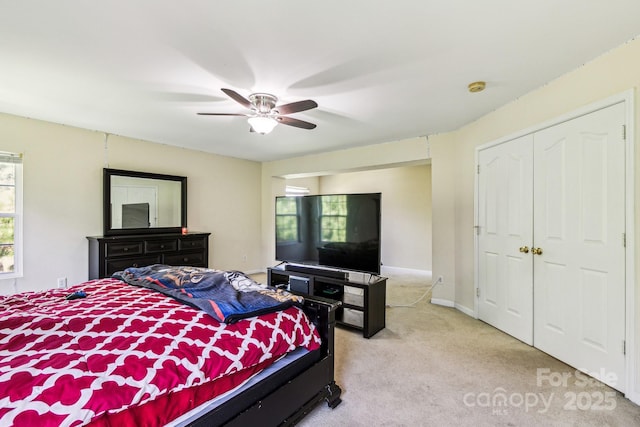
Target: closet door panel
{"x":505,"y":226}
{"x":579,"y":207}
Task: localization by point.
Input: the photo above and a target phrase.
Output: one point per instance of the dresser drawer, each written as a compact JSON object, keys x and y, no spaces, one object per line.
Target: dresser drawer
{"x":191,"y":243}
{"x":115,"y":253}
{"x":113,"y":265}
{"x":123,"y":248}
{"x":154,"y":246}
{"x":195,"y":259}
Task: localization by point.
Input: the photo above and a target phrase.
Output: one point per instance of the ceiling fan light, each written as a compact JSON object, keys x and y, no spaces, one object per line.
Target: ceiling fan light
{"x":262,"y":125}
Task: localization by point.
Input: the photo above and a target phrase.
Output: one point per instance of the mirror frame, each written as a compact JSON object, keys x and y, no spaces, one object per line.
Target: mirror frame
{"x":108,"y":231}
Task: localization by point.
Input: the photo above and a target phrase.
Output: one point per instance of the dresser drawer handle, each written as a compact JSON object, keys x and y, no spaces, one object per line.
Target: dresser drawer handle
{"x":161,"y":246}
{"x":135,"y":265}
{"x":125,"y":249}
{"x":185,"y":259}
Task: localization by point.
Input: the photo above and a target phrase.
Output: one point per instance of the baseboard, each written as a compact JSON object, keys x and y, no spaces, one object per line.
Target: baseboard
{"x":442,"y":302}
{"x":633,"y":396}
{"x":389,"y":270}
{"x":466,"y":310}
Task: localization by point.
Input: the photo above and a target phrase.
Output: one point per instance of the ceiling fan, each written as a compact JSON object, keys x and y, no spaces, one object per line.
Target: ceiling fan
{"x":265,"y":114}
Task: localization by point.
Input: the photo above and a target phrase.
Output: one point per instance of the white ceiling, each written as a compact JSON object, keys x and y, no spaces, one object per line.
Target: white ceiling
{"x":380,"y":70}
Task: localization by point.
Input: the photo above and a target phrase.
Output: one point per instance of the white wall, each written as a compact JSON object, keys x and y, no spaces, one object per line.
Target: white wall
{"x":63,"y":197}
{"x":406,"y":210}
{"x":453,"y":166}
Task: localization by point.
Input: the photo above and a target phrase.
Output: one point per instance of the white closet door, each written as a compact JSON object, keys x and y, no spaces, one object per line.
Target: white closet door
{"x":579,"y":205}
{"x":505,"y":214}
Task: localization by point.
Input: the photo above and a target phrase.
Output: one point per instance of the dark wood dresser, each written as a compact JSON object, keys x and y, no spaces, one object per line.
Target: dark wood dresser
{"x":114,"y":253}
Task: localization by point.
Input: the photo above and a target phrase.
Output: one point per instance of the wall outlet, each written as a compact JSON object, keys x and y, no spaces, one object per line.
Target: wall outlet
{"x":62,"y":282}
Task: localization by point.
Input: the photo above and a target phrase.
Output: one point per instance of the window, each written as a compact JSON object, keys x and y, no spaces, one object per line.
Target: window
{"x":333,"y":219}
{"x":10,"y":215}
{"x":286,"y":219}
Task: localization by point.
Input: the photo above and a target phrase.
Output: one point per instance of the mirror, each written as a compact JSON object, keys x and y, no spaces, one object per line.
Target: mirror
{"x":141,"y":203}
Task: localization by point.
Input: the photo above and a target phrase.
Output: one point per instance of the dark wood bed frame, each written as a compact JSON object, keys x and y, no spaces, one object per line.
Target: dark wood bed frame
{"x":289,"y":394}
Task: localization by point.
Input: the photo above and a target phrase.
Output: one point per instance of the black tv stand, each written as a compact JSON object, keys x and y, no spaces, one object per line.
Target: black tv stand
{"x":317,"y":271}
{"x":363,"y":295}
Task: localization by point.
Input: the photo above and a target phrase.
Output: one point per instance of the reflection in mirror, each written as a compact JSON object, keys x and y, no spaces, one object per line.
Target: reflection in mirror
{"x":138,"y":202}
{"x":135,"y":215}
{"x":144,"y":202}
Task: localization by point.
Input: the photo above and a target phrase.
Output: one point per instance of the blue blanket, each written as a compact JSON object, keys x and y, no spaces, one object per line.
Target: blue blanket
{"x":227,"y":296}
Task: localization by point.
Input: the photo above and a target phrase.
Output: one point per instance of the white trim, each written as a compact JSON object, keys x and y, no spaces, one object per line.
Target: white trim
{"x":18,"y":240}
{"x":476,"y":225}
{"x":628,"y":98}
{"x":443,"y":302}
{"x":632,"y":392}
{"x":388,"y":270}
{"x":466,"y":310}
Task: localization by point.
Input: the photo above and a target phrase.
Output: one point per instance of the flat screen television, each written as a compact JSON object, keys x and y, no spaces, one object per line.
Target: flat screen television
{"x":135,"y":215}
{"x":333,"y":230}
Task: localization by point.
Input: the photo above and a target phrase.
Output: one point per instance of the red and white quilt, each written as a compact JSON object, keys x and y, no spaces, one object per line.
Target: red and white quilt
{"x":91,"y":360}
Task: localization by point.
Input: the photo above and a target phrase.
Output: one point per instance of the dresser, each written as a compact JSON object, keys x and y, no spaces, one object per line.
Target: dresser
{"x":114,"y":253}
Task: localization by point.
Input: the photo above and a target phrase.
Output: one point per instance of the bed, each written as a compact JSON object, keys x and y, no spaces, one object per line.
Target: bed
{"x":126,"y":354}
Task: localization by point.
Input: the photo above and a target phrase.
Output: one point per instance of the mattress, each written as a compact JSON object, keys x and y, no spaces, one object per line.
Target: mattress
{"x":128,"y":355}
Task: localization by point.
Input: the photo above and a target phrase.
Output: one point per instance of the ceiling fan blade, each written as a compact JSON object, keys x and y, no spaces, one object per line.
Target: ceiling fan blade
{"x":222,"y":114}
{"x":237,"y":97}
{"x":295,"y":122}
{"x":296,"y":107}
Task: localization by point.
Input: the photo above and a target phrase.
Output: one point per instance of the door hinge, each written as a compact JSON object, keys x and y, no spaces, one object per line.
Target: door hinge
{"x":477,"y":227}
{"x":624,"y":240}
{"x":478,"y":292}
{"x":624,"y":347}
{"x":624,"y":132}
{"x":478,"y":169}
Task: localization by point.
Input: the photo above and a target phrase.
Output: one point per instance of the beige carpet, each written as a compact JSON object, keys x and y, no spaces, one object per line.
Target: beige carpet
{"x":435,"y":366}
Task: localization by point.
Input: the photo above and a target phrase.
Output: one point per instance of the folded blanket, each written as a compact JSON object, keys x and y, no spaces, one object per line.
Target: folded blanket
{"x":227,"y":296}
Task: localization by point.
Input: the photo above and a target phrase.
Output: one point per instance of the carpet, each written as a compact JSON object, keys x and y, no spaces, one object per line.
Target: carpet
{"x":435,"y":366}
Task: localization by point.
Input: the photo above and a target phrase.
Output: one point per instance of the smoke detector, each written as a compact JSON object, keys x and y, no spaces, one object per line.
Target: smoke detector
{"x":476,"y":87}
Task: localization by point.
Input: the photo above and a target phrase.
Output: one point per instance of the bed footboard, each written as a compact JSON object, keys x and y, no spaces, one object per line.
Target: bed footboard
{"x":287,"y":396}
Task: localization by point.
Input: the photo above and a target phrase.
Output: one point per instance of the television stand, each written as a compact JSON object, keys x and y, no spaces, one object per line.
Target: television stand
{"x":363,"y":298}
{"x":317,"y":271}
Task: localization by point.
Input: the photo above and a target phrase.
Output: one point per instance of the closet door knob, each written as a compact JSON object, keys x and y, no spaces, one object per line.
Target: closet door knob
{"x":524,"y":249}
{"x":536,"y":251}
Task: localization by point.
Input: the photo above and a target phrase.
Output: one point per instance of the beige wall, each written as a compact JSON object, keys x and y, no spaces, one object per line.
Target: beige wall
{"x":443,"y":201}
{"x":453,"y":167}
{"x":63,"y":197}
{"x":406,"y":210}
